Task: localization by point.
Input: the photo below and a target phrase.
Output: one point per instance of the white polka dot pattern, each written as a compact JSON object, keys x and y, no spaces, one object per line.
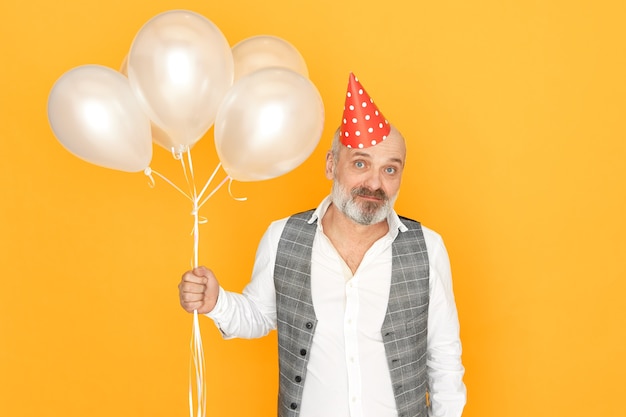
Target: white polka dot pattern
{"x":363,"y":124}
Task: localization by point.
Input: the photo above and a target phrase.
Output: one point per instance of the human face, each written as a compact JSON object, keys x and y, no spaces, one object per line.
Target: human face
{"x":367,"y":181}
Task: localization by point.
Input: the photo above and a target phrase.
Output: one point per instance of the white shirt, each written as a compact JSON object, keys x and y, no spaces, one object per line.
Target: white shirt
{"x":347,"y":373}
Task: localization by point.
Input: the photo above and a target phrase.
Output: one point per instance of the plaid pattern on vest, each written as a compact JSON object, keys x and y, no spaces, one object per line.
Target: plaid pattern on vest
{"x":403,"y":330}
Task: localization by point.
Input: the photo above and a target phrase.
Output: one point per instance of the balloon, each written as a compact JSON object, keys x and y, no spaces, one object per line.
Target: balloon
{"x":96,"y":116}
{"x":159,"y":136}
{"x":266,"y":51}
{"x":180,"y":67}
{"x":163,"y":139}
{"x":268,"y":124}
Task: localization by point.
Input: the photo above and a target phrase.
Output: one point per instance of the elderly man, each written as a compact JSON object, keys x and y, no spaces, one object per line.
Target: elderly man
{"x":362,"y":298}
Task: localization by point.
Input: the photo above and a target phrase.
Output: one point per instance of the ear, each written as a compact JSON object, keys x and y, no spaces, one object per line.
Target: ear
{"x":330,"y":165}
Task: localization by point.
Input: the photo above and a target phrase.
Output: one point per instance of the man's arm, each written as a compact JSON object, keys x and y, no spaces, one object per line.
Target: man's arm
{"x":253,"y":313}
{"x":445,"y":369}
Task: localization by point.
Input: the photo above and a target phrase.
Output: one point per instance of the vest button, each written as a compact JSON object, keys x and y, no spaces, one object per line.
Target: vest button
{"x":298,"y":378}
{"x":309,"y":325}
{"x":293,"y":406}
{"x":303,"y":352}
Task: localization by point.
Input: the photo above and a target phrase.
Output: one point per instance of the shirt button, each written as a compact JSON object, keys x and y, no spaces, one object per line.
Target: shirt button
{"x":303,"y":352}
{"x":293,"y":406}
{"x":309,"y":325}
{"x":298,"y":378}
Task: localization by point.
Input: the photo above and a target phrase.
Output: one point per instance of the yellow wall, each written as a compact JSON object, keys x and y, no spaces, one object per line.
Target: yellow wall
{"x":514,"y":113}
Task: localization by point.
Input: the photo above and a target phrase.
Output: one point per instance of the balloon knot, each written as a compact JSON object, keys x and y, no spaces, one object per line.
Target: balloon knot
{"x":148,"y":173}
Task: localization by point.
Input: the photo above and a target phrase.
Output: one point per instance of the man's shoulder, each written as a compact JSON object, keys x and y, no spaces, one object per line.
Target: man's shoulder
{"x":406,"y":220}
{"x":429,"y":234}
{"x":407,"y":224}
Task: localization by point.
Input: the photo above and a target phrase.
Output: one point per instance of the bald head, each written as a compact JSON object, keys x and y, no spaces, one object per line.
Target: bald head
{"x":394,"y":137}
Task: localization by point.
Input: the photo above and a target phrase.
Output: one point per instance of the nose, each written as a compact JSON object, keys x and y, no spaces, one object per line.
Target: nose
{"x":373,"y":180}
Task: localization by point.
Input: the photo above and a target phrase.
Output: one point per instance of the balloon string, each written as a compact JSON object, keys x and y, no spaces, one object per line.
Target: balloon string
{"x":196,"y":362}
{"x":213,"y":192}
{"x":209,"y":181}
{"x":149,"y":171}
{"x":191,"y":180}
{"x":196,"y":233}
{"x":186,"y":175}
{"x":197,"y":351}
{"x":231,"y":193}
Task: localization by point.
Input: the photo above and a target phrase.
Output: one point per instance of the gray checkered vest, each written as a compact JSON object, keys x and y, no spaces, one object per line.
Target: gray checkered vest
{"x":403,"y":330}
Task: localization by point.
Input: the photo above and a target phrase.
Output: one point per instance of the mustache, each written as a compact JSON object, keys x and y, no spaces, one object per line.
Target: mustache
{"x":366,"y":192}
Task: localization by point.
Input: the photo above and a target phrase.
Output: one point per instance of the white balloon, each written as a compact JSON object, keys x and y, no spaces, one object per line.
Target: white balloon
{"x":159,"y":136}
{"x":268,"y":124}
{"x":266,"y":51}
{"x":180,"y":66}
{"x":96,"y":116}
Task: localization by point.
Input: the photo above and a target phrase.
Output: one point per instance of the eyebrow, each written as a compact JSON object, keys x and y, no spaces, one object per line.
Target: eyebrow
{"x":367,"y":155}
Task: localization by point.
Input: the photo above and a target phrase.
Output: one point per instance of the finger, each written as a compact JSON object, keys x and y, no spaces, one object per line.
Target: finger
{"x":191,"y":287}
{"x":191,"y":277}
{"x":202,"y":271}
{"x":189,"y":297}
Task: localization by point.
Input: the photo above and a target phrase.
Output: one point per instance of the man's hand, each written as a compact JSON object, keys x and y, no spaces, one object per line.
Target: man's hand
{"x":198,"y":290}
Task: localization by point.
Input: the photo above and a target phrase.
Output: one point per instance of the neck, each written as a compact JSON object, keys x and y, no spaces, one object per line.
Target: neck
{"x":351,"y":240}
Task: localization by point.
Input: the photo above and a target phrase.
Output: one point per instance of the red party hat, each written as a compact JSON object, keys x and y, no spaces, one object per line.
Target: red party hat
{"x":363,"y":124}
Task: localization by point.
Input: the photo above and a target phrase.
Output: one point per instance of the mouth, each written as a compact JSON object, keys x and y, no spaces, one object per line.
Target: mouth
{"x":368,"y":195}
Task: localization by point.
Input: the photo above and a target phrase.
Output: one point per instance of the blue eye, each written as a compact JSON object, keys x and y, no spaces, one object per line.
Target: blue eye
{"x":390,"y":170}
{"x":359,"y":164}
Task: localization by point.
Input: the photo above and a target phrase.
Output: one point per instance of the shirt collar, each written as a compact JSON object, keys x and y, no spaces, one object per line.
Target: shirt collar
{"x":395,"y":224}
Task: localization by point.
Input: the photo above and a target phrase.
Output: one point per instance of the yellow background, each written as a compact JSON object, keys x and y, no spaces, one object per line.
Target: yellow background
{"x":514,"y":115}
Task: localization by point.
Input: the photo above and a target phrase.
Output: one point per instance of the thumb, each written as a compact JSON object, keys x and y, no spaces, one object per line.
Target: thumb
{"x":201,"y":271}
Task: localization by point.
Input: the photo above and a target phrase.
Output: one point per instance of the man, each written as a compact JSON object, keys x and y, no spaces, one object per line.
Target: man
{"x":362,"y":298}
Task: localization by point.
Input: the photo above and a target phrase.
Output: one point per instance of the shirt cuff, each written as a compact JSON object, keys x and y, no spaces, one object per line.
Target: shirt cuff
{"x":221,"y":306}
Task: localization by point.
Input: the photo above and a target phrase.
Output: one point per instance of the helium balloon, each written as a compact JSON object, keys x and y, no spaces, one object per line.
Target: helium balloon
{"x":266,"y":51}
{"x":268,"y":124}
{"x":159,"y":136}
{"x":95,"y":115}
{"x":180,"y":66}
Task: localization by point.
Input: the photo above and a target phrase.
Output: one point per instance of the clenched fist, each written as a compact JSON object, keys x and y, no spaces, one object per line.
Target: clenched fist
{"x":198,"y":290}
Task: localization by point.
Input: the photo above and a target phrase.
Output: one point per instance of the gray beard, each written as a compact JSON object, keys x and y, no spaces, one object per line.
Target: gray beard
{"x":366,"y":213}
